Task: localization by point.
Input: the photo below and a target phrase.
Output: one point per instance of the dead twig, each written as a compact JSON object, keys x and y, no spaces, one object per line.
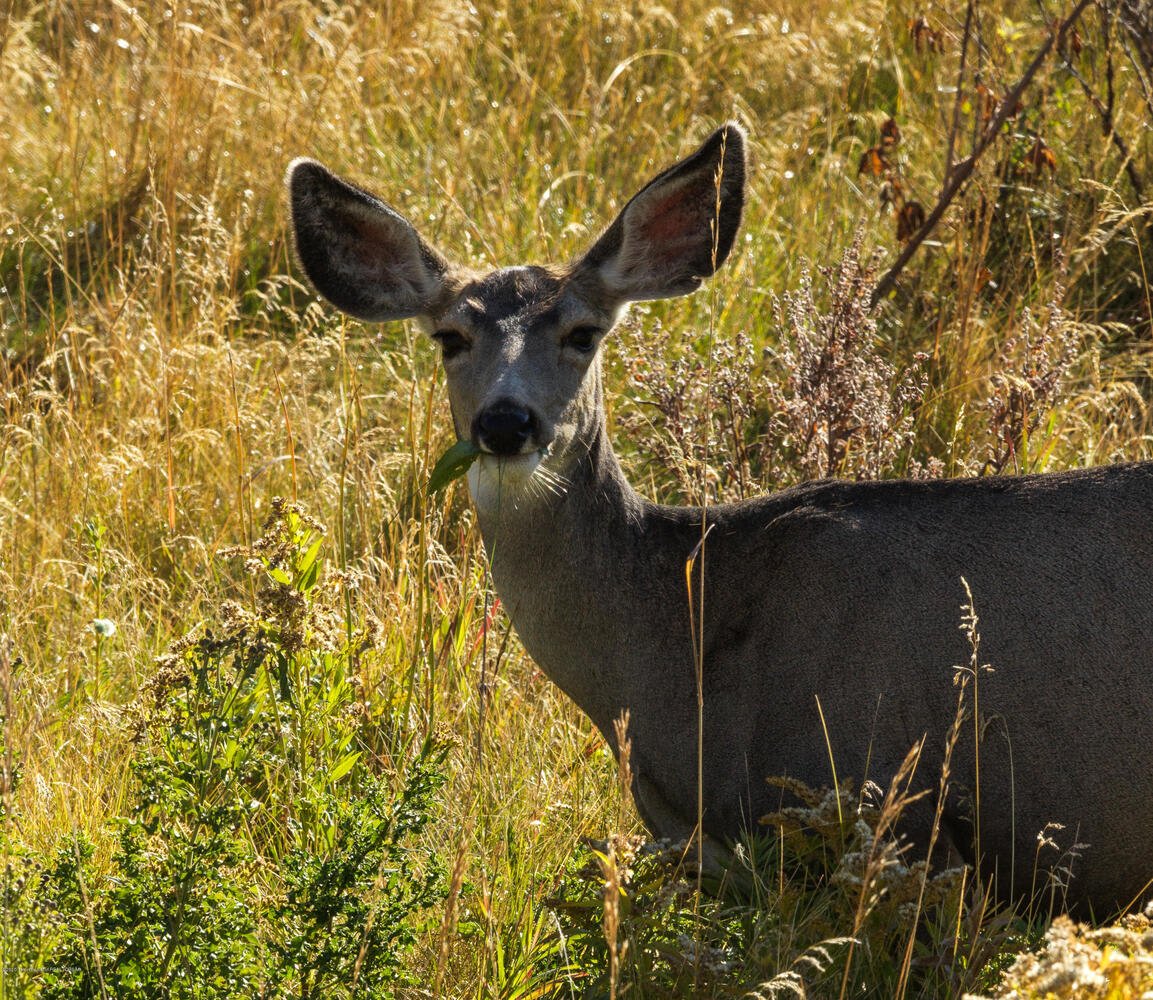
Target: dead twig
{"x":963,"y":169}
{"x":1137,"y":20}
{"x":957,"y":99}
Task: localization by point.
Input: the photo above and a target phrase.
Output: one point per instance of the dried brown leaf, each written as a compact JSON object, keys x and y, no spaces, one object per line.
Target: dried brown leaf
{"x":910,"y":218}
{"x":926,"y":38}
{"x":1039,"y":158}
{"x":873,"y":162}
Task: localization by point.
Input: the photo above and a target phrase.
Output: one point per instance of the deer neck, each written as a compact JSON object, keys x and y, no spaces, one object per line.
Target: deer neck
{"x":565,"y":567}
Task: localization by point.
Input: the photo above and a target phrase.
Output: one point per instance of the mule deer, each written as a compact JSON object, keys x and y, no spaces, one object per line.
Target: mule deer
{"x":843,"y":591}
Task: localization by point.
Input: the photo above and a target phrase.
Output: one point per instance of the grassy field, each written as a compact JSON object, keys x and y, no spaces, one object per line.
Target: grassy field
{"x":232,"y":767}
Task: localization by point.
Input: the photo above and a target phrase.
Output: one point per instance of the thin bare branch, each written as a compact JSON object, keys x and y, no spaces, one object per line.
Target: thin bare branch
{"x":1137,"y":39}
{"x":966,"y":34}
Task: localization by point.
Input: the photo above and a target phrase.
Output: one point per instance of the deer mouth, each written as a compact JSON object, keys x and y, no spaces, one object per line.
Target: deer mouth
{"x":498,"y":482}
{"x":514,"y":468}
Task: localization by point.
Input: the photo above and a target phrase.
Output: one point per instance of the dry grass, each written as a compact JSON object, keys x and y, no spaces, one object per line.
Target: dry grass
{"x":1079,"y":961}
{"x":164,"y":374}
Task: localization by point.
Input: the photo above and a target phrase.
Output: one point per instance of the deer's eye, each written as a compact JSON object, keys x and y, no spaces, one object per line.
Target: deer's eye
{"x":451,"y":342}
{"x":582,"y":339}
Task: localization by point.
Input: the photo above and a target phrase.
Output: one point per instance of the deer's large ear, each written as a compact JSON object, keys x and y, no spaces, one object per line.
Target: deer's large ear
{"x":365,"y":258}
{"x":679,"y":228}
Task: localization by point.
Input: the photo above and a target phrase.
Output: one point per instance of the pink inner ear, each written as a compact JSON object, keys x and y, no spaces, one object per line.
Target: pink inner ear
{"x":367,"y":245}
{"x":679,"y":221}
{"x":370,"y":235}
{"x":375,"y":246}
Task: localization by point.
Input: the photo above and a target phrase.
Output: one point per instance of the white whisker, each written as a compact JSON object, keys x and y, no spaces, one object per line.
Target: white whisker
{"x":548,"y":481}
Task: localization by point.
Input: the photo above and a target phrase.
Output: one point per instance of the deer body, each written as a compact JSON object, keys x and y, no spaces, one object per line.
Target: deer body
{"x":846,"y":592}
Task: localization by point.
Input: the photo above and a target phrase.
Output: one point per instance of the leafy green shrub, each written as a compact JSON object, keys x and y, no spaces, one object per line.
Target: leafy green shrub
{"x":25,"y":922}
{"x":266,"y":851}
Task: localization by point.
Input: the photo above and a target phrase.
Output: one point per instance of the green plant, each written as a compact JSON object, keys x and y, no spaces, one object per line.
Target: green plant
{"x":25,"y":923}
{"x":267,"y":849}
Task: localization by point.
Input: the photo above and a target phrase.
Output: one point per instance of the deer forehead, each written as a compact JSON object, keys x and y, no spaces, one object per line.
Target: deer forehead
{"x":522,"y":300}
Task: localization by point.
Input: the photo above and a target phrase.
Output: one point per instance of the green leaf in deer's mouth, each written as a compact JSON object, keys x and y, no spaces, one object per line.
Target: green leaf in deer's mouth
{"x":453,"y":464}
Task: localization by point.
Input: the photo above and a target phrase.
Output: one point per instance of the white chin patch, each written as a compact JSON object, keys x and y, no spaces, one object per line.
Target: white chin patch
{"x":494,"y":482}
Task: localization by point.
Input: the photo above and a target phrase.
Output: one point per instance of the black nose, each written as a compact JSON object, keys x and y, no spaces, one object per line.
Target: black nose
{"x":504,"y":427}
